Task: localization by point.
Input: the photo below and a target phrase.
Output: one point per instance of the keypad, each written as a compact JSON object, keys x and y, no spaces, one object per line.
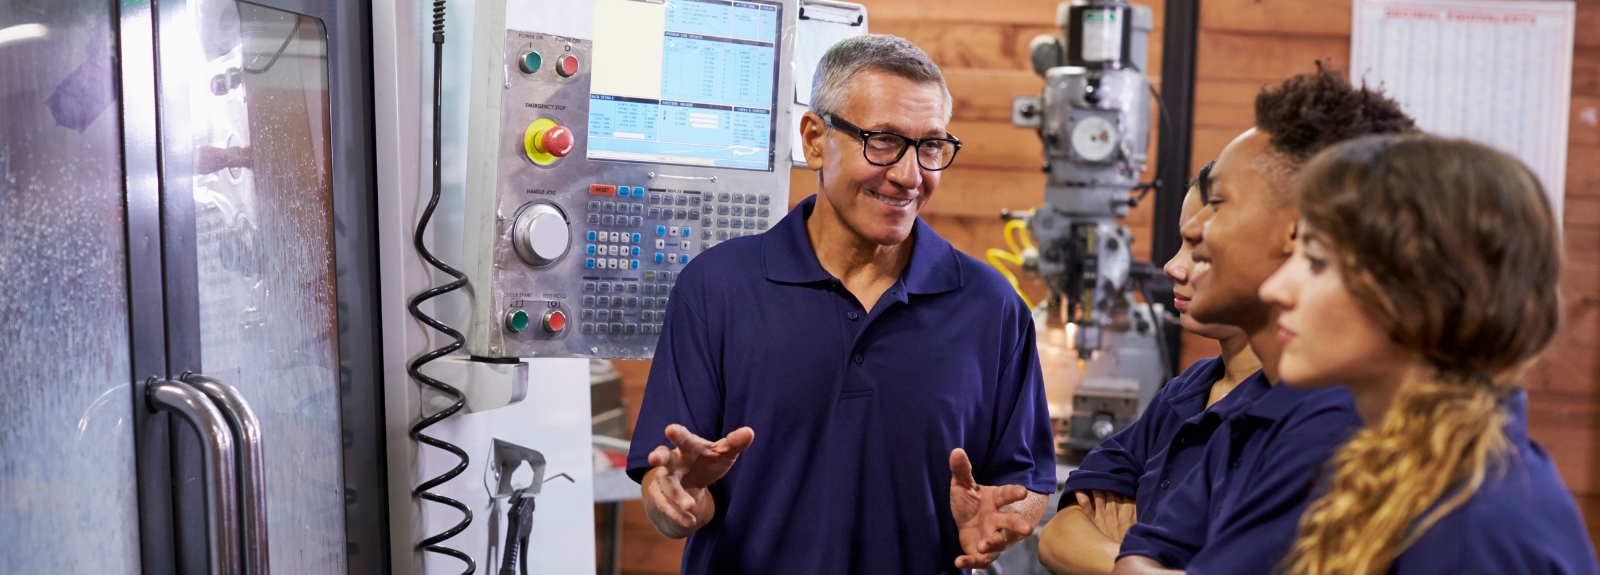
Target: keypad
{"x":635,"y":229}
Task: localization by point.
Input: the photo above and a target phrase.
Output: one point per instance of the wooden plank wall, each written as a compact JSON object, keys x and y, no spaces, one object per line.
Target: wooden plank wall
{"x":1244,"y":44}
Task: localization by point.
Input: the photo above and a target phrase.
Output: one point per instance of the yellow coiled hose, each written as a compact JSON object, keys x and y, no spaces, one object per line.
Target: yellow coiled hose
{"x":998,"y":257}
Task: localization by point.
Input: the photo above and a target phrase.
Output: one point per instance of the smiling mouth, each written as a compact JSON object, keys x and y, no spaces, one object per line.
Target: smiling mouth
{"x":898,"y":203}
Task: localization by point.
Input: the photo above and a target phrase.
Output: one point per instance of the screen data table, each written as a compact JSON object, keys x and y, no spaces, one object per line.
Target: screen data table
{"x":717,"y":92}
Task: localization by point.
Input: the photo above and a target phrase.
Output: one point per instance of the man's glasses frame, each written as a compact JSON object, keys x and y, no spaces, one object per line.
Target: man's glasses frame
{"x":906,"y":143}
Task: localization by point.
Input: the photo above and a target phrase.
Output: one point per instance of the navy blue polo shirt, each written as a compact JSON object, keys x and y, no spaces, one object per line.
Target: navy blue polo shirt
{"x":1237,"y":511}
{"x":1521,"y":520}
{"x":1144,"y":460}
{"x":855,"y":411}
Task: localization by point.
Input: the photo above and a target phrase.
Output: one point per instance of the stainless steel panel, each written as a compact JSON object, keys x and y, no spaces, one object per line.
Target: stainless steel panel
{"x":67,"y":476}
{"x":246,"y":136}
{"x":610,"y":287}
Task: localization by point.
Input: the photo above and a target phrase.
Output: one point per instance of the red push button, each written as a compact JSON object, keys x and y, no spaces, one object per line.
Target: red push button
{"x":555,"y":321}
{"x":602,"y":190}
{"x":567,"y":66}
{"x":557,"y":141}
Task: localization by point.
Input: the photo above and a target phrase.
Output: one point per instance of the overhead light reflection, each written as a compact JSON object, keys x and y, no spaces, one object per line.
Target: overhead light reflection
{"x":23,"y":33}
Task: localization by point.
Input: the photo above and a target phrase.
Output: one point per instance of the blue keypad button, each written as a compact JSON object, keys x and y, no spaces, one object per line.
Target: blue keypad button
{"x":588,"y":263}
{"x":638,"y":192}
{"x":661,"y":230}
{"x":589,"y":250}
{"x":637,"y":238}
{"x":684,"y":258}
{"x":592,"y":235}
{"x":659,"y":258}
{"x":635,"y":251}
{"x":635,"y":263}
{"x":686,"y":232}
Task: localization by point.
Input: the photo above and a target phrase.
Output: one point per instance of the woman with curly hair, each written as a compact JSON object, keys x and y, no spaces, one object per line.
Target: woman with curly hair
{"x":1426,"y":278}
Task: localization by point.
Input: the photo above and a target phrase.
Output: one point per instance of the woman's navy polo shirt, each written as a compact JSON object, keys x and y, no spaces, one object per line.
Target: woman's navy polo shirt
{"x":1144,"y":460}
{"x":855,"y":411}
{"x":1521,"y":520}
{"x":1237,"y":512}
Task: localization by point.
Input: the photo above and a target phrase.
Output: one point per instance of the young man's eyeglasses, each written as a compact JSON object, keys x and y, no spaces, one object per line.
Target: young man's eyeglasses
{"x":886,"y":148}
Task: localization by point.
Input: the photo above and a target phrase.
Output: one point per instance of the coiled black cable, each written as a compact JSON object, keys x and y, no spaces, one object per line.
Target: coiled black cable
{"x":433,"y":544}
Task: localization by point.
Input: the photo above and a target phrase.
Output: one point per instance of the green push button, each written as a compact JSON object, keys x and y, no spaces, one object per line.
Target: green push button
{"x":517,"y":320}
{"x":530,"y":62}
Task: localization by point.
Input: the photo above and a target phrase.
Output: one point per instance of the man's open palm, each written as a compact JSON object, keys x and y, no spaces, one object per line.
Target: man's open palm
{"x":984,"y":522}
{"x":696,"y":463}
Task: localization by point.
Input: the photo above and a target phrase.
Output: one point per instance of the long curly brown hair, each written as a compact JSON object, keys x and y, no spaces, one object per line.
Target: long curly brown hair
{"x":1453,"y":249}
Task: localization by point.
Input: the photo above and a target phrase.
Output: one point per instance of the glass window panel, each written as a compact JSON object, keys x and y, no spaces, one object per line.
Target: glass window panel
{"x":67,"y":482}
{"x":252,"y":82}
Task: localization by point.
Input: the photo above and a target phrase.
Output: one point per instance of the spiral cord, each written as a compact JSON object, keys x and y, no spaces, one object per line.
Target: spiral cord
{"x":434,"y":543}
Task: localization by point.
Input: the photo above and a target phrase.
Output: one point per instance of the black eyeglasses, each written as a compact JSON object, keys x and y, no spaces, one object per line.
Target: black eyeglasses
{"x":886,"y":148}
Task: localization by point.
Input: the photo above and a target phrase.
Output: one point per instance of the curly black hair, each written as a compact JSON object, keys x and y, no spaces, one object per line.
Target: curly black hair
{"x":1311,"y":112}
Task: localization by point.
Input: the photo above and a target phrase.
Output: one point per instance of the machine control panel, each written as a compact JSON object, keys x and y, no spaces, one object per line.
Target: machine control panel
{"x":601,"y":165}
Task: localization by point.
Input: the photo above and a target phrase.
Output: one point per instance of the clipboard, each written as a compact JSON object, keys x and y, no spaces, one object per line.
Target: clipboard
{"x":822,"y":23}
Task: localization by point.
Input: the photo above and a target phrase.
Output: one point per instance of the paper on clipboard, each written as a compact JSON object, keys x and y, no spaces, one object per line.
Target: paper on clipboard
{"x":823,"y":25}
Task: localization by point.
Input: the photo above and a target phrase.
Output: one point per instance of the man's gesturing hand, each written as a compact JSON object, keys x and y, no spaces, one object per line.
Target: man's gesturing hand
{"x":675,"y":491}
{"x":985,"y":520}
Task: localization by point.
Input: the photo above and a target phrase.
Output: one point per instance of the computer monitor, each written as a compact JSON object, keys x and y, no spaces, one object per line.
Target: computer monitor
{"x":686,"y":82}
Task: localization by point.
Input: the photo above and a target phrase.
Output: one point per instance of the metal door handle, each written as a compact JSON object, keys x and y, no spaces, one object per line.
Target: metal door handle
{"x":251,"y":463}
{"x":222,"y":535}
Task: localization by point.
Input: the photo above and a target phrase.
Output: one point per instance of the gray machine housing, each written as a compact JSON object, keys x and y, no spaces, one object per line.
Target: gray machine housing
{"x":1094,"y":121}
{"x":505,"y":189}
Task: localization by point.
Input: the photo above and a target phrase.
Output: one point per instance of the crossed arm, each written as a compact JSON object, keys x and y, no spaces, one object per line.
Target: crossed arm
{"x":1084,"y":538}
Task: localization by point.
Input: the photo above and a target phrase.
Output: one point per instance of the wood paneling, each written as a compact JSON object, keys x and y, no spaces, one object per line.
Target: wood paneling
{"x":966,"y":44}
{"x":1586,"y":69}
{"x":985,"y":94}
{"x":1265,"y":57}
{"x":1298,"y":17}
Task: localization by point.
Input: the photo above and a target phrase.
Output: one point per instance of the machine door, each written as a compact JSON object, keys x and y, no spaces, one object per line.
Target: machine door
{"x":253,"y":132}
{"x":67,"y":467}
{"x":247,"y":197}
{"x":186,"y":289}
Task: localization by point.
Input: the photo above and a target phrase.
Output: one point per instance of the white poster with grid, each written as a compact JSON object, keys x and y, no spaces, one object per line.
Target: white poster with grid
{"x":1497,"y":72}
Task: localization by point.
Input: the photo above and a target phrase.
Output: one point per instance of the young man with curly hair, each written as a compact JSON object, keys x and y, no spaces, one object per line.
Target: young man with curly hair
{"x":1243,"y":477}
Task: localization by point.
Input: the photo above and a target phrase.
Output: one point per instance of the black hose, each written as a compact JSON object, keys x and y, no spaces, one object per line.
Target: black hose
{"x":433,"y":544}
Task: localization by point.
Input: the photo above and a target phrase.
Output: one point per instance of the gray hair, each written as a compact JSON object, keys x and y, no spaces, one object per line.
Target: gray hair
{"x":881,"y":52}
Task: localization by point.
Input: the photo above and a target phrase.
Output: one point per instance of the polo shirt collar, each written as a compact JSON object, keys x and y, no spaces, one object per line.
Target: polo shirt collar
{"x":1276,"y":402}
{"x":1213,"y":373}
{"x":1517,"y":417}
{"x":787,"y":256}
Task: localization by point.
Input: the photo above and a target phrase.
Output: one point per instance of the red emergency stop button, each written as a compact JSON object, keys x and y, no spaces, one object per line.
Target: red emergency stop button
{"x":555,"y":321}
{"x":567,"y":66}
{"x":556,"y":141}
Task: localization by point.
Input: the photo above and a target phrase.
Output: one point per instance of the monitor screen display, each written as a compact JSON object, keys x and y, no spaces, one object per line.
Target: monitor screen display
{"x":686,"y":82}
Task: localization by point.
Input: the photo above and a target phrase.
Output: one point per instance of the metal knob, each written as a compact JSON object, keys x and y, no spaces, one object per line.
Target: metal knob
{"x":541,"y":234}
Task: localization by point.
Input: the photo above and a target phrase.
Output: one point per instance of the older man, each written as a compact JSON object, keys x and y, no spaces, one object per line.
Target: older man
{"x":847,"y":393}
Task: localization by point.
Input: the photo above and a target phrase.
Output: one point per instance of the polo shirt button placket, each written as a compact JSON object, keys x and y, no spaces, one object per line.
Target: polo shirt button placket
{"x":1165,"y":483}
{"x":853,"y":316}
{"x":860,"y":358}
